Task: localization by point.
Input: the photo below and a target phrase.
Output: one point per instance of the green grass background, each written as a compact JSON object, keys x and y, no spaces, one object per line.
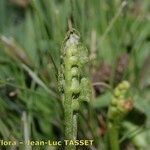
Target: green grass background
{"x":30,"y":40}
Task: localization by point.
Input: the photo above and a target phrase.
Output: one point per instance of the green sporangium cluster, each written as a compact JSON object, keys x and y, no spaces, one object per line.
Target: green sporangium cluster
{"x":73,"y":77}
{"x":120,"y":104}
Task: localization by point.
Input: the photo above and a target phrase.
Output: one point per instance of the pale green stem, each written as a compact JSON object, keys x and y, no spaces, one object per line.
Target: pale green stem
{"x":75,"y":126}
{"x":113,"y":136}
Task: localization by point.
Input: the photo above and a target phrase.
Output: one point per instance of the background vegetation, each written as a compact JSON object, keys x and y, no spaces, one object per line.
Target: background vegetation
{"x":117,"y":35}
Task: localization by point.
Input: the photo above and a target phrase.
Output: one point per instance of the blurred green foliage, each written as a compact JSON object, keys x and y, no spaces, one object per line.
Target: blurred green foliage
{"x":31,"y":35}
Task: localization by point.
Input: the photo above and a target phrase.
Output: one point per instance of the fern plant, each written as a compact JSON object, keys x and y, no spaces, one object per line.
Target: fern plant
{"x":119,"y":107}
{"x":74,"y":84}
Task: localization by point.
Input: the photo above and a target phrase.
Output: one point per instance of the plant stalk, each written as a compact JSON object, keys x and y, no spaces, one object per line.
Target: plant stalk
{"x":74,"y":85}
{"x":113,"y":136}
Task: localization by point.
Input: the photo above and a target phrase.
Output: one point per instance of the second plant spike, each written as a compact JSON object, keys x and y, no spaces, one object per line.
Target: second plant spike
{"x":119,"y":107}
